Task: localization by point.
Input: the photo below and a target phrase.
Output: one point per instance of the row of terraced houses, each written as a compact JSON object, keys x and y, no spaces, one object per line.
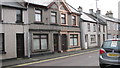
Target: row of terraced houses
{"x":33,"y":28}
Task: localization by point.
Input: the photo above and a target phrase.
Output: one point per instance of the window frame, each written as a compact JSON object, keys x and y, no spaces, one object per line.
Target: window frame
{"x":40,"y":45}
{"x":55,"y":17}
{"x":94,"y":27}
{"x":21,"y":16}
{"x":3,"y":44}
{"x":93,"y":39}
{"x":73,"y":39}
{"x":65,"y":18}
{"x":88,"y":24}
{"x":74,"y":21}
{"x":38,"y":13}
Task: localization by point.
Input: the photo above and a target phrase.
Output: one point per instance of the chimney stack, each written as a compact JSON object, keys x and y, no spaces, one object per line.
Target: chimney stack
{"x":109,"y":14}
{"x":98,"y":12}
{"x":91,"y":11}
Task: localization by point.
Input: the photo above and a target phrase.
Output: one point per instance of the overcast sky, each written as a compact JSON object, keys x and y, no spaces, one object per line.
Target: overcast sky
{"x":103,"y":5}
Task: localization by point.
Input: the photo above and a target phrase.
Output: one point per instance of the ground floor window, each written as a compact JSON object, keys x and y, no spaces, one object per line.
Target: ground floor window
{"x":73,"y":40}
{"x":40,"y":42}
{"x":1,"y":42}
{"x":93,"y":39}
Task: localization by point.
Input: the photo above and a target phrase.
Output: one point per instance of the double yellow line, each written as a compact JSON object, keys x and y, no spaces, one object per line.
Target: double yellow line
{"x":52,"y":59}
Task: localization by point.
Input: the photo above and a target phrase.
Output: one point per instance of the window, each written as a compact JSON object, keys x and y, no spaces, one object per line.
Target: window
{"x":53,"y":17}
{"x":93,"y":38}
{"x":63,"y":18}
{"x":94,"y":28}
{"x":38,"y":15}
{"x":40,"y":42}
{"x":88,"y":27}
{"x":2,"y":43}
{"x":74,"y":40}
{"x":103,"y":28}
{"x":103,"y":37}
{"x":99,"y":28}
{"x":18,"y":16}
{"x":74,"y":20}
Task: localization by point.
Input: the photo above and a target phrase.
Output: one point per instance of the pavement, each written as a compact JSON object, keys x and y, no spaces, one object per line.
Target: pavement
{"x":18,"y":61}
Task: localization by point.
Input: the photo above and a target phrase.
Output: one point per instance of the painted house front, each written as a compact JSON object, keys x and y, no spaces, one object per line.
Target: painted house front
{"x":13,"y":30}
{"x":92,"y":35}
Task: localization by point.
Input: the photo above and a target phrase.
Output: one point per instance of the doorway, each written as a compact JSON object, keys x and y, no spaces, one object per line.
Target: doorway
{"x":64,"y":42}
{"x":20,"y":45}
{"x":56,"y":42}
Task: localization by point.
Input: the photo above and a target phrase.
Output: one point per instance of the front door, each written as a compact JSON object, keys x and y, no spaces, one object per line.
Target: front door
{"x":20,"y":45}
{"x":56,"y":47}
{"x":64,"y":42}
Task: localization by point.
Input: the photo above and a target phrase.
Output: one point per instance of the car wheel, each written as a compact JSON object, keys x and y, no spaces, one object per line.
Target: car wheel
{"x":102,"y":66}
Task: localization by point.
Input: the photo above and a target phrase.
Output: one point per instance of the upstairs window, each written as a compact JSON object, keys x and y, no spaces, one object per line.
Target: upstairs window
{"x":74,"y":20}
{"x":88,"y":27}
{"x":99,"y":28}
{"x":103,"y":28}
{"x":53,"y":17}
{"x":38,"y":15}
{"x":18,"y":16}
{"x":94,"y":28}
{"x":63,"y":18}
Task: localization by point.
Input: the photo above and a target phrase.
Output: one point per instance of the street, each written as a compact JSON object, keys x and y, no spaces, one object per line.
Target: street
{"x":90,"y":59}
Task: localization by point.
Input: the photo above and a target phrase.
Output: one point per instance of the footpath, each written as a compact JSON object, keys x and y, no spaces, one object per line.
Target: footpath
{"x":12,"y":62}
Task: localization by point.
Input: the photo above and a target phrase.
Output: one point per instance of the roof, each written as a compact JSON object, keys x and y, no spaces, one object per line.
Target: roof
{"x":48,"y":2}
{"x":85,"y":17}
{"x":72,"y":8}
{"x":98,"y":19}
{"x":13,"y":4}
{"x":110,"y":19}
{"x":40,"y":2}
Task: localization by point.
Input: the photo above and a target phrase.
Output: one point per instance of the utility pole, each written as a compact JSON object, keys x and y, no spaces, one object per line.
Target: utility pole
{"x":97,"y":21}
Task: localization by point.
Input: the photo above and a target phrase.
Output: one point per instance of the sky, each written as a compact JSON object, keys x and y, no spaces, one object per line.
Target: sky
{"x":103,"y":5}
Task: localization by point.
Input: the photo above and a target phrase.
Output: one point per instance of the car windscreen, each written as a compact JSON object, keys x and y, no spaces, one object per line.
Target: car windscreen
{"x":111,"y":44}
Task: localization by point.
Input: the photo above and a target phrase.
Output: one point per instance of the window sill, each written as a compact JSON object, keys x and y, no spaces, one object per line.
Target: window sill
{"x":71,"y":47}
{"x":36,"y":51}
{"x":64,"y":24}
{"x":54,"y":24}
{"x":38,"y":22}
{"x":2,"y":52}
{"x":19,"y":22}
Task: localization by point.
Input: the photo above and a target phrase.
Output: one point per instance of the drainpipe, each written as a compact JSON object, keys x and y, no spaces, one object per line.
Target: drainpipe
{"x":28,"y":36}
{"x":81,"y":28}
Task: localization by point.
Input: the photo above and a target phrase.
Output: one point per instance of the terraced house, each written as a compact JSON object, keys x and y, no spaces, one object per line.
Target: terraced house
{"x":32,"y":28}
{"x":13,"y":30}
{"x":94,"y":31}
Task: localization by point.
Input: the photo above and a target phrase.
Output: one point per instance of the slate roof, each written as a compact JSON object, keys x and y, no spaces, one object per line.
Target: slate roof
{"x":110,"y":19}
{"x":98,"y":19}
{"x":40,"y":2}
{"x":13,"y":4}
{"x":85,"y":17}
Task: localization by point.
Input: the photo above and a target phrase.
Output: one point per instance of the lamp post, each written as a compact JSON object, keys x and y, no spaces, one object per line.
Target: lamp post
{"x":81,"y":28}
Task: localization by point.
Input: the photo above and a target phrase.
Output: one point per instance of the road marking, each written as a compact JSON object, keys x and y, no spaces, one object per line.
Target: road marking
{"x":53,"y":59}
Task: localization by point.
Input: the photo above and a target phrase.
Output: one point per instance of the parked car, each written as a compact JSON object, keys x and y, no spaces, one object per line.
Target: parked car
{"x":110,"y":53}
